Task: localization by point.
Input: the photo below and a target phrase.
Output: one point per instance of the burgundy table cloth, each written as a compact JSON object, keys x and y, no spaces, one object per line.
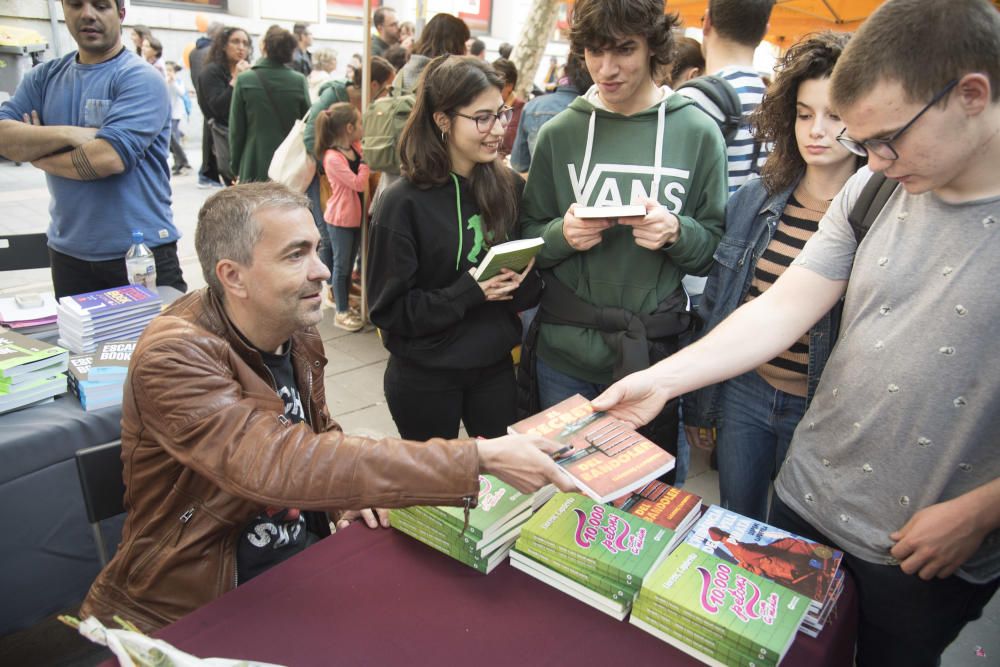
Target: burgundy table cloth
{"x":377,"y":597}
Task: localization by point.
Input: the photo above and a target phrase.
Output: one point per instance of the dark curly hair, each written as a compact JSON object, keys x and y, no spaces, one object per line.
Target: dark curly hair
{"x":217,"y":52}
{"x":599,"y":24}
{"x":774,"y":120}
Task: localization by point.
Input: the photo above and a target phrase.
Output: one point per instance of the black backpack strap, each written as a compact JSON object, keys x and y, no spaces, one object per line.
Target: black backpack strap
{"x":873,"y":197}
{"x":724,"y":97}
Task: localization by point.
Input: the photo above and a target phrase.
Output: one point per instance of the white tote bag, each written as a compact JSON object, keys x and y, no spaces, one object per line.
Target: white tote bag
{"x":291,"y":165}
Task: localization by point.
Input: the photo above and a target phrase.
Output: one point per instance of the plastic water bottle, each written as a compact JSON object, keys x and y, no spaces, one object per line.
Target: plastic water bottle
{"x":140,"y":264}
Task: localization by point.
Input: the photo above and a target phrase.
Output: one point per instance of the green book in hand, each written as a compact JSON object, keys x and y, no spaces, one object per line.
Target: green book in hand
{"x":513,"y":255}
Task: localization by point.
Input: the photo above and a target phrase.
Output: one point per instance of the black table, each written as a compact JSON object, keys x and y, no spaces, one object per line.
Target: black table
{"x":48,"y":558}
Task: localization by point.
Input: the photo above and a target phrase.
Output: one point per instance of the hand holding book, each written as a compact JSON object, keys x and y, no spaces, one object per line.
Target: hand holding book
{"x":502,"y":286}
{"x":635,"y":399}
{"x":523,"y":461}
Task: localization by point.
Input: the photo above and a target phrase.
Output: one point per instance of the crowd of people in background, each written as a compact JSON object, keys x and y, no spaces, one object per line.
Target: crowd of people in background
{"x":709,"y":318}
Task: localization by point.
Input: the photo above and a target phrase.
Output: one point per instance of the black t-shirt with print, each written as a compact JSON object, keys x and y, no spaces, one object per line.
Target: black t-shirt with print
{"x":277,"y":534}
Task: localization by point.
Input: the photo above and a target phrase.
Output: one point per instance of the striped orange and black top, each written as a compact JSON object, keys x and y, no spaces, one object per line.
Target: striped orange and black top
{"x":788,"y":372}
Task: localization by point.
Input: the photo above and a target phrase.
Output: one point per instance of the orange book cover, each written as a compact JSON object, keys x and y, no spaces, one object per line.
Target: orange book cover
{"x":606,"y":458}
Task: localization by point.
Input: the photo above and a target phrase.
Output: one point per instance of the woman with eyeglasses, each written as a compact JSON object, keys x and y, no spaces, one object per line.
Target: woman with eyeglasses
{"x":450,"y":337}
{"x":228,"y":58}
{"x":768,"y":221}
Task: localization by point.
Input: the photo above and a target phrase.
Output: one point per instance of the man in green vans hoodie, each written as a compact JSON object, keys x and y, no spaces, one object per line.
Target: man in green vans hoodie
{"x":613,"y":301}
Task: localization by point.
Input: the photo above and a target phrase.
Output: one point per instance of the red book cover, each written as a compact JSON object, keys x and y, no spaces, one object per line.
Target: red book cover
{"x":605,"y":457}
{"x":662,"y":504}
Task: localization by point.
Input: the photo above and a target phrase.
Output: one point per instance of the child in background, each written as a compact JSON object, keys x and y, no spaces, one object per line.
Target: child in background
{"x":176,"y":89}
{"x":338,"y":145}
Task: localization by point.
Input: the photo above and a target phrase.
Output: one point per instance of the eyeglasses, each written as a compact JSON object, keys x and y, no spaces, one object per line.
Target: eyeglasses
{"x":883,"y":147}
{"x":485,"y":121}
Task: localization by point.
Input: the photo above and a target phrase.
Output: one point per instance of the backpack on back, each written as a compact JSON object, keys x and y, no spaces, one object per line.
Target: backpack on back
{"x":720,"y":93}
{"x":383,"y":121}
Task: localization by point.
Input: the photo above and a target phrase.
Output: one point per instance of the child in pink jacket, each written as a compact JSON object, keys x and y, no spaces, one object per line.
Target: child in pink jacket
{"x":338,"y":145}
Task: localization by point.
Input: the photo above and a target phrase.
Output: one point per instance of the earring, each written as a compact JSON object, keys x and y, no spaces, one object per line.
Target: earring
{"x":444,"y":137}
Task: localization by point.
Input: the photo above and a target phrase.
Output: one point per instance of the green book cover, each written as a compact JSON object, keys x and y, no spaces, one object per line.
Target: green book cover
{"x":458,"y":540}
{"x":707,"y":642}
{"x":648,"y":606}
{"x":440,"y":541}
{"x":435,"y":538}
{"x":692,"y":644}
{"x":513,"y":255}
{"x":21,"y":354}
{"x":617,"y":609}
{"x":577,"y":572}
{"x":498,"y":503}
{"x":742,"y":604}
{"x":613,"y":543}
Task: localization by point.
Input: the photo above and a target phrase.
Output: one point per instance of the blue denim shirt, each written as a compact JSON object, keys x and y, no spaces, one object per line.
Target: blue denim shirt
{"x":536,"y":113}
{"x":751,"y":219}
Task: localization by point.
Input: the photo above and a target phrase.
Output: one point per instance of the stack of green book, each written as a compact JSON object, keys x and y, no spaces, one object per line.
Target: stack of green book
{"x":806,"y":567}
{"x":591,"y":551}
{"x":708,"y":605}
{"x":493,"y":524}
{"x":30,"y":371}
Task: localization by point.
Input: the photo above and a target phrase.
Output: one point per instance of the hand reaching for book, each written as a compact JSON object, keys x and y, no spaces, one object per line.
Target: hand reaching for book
{"x":635,"y":399}
{"x":523,"y":461}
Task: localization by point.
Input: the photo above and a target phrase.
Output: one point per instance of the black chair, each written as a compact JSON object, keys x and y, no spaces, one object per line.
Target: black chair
{"x":23,"y":251}
{"x":100,"y":470}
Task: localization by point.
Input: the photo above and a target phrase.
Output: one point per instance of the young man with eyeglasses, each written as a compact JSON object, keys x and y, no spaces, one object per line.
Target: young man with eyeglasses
{"x":613,"y":301}
{"x":895,"y":461}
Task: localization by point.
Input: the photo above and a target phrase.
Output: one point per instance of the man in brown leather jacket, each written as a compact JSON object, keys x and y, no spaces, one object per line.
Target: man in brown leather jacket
{"x":227,"y":442}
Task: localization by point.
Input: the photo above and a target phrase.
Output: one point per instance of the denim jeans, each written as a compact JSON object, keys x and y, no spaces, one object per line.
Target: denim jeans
{"x":325,"y":245}
{"x":554,"y":386}
{"x":756,"y":428}
{"x":345,"y":241}
{"x":903,"y":621}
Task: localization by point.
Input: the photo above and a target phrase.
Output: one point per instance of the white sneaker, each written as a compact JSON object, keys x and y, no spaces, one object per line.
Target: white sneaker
{"x":348,"y":321}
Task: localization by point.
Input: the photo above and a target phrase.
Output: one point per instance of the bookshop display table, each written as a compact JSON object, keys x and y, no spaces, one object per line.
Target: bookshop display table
{"x":48,"y":558}
{"x":377,"y":597}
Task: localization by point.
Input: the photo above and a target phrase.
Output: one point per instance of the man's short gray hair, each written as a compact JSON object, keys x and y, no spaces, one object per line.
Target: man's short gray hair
{"x":227,"y":226}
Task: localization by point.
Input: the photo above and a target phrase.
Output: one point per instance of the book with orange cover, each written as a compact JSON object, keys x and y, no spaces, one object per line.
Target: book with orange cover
{"x":663,"y":505}
{"x":606,"y":458}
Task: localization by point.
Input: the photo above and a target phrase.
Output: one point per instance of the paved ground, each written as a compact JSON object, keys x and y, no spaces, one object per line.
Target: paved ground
{"x":356,"y":361}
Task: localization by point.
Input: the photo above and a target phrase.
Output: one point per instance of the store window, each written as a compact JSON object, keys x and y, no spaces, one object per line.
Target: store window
{"x":348,"y":10}
{"x":477,"y":14}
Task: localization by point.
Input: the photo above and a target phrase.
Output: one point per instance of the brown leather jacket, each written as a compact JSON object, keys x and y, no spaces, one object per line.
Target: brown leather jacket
{"x":206,"y":446}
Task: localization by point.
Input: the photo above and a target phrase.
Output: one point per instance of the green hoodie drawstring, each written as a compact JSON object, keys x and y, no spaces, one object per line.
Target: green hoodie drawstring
{"x":458,"y":214}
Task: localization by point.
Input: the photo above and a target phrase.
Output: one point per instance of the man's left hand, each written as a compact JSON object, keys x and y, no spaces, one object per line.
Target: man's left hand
{"x":373,"y":518}
{"x":658,"y":228}
{"x":937,"y":539}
